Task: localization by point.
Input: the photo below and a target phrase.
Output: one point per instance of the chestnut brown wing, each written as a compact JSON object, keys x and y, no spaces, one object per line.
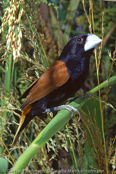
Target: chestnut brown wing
{"x":53,"y":78}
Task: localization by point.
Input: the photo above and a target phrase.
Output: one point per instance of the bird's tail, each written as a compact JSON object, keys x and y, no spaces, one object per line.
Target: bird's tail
{"x":24,"y":120}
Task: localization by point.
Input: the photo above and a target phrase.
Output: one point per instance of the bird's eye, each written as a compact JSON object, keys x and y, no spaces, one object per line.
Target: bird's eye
{"x":79,"y":40}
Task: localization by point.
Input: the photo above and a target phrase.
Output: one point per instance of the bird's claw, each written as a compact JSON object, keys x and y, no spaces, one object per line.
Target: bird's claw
{"x":67,"y":107}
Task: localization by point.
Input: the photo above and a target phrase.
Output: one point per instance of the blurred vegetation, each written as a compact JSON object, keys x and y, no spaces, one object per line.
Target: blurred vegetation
{"x":32,"y":36}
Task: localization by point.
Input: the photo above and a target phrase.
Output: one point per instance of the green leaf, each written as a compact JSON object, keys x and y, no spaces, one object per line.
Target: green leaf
{"x":3,"y":165}
{"x":92,"y":110}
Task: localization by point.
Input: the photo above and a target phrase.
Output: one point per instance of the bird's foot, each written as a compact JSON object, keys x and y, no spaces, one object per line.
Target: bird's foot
{"x":67,"y":107}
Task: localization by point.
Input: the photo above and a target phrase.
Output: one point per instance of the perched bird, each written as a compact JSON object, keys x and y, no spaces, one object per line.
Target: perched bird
{"x":60,"y":81}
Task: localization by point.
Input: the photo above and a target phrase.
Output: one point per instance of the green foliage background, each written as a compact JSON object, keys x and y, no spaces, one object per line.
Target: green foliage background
{"x":32,"y":36}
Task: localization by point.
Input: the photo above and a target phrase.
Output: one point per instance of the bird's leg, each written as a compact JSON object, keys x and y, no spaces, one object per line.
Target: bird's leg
{"x":67,"y":107}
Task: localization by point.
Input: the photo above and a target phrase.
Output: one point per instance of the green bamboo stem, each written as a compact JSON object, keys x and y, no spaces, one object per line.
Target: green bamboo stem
{"x":8,"y":73}
{"x":104,"y":84}
{"x":7,"y":82}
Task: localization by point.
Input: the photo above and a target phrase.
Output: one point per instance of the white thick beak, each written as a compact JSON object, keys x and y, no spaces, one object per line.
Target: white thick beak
{"x":92,"y":41}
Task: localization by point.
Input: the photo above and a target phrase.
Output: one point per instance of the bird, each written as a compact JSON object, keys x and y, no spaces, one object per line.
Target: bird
{"x":60,"y":82}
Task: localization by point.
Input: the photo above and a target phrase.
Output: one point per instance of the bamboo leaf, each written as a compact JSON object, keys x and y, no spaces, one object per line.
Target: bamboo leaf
{"x":91,"y":123}
{"x":3,"y":165}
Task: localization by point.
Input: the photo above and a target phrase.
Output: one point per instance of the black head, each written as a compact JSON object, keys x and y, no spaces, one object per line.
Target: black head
{"x":78,"y":45}
{"x":76,"y":54}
